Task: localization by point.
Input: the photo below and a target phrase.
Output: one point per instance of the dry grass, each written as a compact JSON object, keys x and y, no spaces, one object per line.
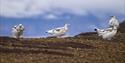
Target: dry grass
{"x":83,"y":49}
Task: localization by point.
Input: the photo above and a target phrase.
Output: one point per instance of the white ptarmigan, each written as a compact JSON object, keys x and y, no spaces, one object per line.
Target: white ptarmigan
{"x":17,"y":31}
{"x":14,"y":32}
{"x":113,"y":22}
{"x":110,"y":32}
{"x":107,"y":34}
{"x":58,"y":32}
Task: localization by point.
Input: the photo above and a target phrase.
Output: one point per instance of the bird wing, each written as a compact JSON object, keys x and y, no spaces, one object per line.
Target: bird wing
{"x":59,"y":28}
{"x":57,"y":31}
{"x":113,"y":22}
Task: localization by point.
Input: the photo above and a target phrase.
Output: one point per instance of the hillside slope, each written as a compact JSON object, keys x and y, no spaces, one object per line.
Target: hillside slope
{"x":83,"y":48}
{"x":122,"y":27}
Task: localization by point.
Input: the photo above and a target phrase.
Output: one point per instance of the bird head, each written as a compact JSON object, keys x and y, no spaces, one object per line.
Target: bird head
{"x":15,"y":26}
{"x":20,"y":24}
{"x":113,"y":16}
{"x":66,"y":25}
{"x":95,"y":29}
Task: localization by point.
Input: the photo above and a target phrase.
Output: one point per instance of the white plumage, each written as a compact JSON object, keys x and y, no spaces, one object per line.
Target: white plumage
{"x":17,"y":31}
{"x":113,"y":22}
{"x":20,"y":29}
{"x":107,"y":33}
{"x":14,"y":32}
{"x":58,"y":32}
{"x":110,"y":32}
